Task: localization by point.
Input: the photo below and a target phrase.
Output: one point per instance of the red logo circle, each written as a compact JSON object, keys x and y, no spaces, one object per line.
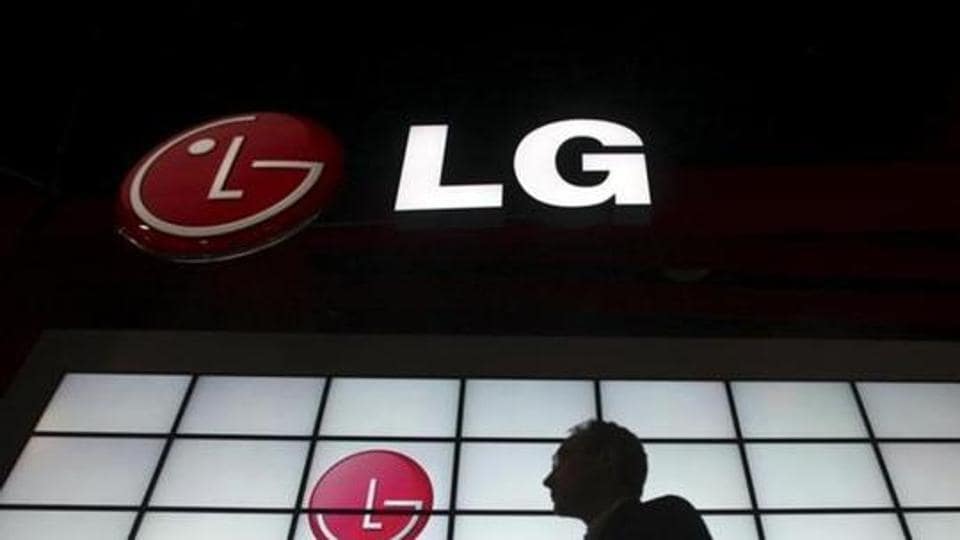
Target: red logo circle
{"x":230,"y":187}
{"x":366,"y":483}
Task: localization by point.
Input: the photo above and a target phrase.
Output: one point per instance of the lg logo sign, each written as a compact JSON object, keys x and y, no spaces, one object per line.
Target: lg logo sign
{"x":230,"y":187}
{"x":237,"y":185}
{"x":534,"y":164}
{"x":393,"y":490}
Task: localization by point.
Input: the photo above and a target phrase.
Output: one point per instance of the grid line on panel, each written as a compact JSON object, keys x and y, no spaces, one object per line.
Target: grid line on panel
{"x":598,"y":401}
{"x":510,"y":512}
{"x":219,"y":510}
{"x":460,"y":512}
{"x":71,"y":507}
{"x":504,"y":512}
{"x":883,"y":466}
{"x":455,"y":439}
{"x":705,"y":511}
{"x":747,"y":474}
{"x":305,"y":476}
{"x":242,"y":437}
{"x":455,"y":474}
{"x":931,"y":509}
{"x":163,"y":457}
{"x":848,"y":440}
{"x":853,"y":510}
{"x":502,"y":440}
{"x":501,"y":377}
{"x":507,"y":440}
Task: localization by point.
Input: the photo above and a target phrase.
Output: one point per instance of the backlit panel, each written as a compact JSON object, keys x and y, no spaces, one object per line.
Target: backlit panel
{"x":233,"y":457}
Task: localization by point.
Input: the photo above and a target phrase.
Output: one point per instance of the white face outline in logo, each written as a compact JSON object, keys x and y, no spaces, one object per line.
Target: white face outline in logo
{"x":313,"y":168}
{"x":369,"y":524}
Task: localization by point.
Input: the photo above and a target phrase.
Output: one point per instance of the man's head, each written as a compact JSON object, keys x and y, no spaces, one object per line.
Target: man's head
{"x":599,"y":463}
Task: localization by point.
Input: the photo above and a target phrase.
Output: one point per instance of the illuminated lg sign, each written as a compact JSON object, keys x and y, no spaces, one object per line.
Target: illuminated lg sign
{"x":393,"y":491}
{"x":534,"y":164}
{"x":239,"y":184}
{"x":230,"y":187}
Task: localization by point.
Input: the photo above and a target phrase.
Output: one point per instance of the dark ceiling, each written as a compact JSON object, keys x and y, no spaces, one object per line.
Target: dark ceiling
{"x":89,"y":95}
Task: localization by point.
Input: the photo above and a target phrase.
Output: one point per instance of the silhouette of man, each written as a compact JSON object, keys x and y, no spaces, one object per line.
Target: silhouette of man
{"x":598,"y":475}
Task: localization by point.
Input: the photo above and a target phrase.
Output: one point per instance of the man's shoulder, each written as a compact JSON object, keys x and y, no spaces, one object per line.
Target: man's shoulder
{"x":668,"y":517}
{"x":668,"y":503}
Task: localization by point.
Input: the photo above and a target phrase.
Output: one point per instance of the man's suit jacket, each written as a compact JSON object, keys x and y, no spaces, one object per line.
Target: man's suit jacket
{"x":664,"y":518}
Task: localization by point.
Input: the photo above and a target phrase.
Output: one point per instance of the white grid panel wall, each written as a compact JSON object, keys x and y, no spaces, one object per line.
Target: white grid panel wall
{"x":212,"y":456}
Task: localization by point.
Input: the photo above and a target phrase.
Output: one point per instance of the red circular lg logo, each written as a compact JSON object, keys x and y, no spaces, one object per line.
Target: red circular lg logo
{"x":230,"y":187}
{"x":372,"y":481}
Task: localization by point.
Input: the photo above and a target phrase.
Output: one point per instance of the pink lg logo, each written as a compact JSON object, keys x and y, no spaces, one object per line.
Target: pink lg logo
{"x":372,"y":481}
{"x":230,"y":187}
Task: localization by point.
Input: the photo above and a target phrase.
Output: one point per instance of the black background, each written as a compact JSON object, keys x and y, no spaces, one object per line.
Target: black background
{"x":90,"y":95}
{"x":860,"y":111}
